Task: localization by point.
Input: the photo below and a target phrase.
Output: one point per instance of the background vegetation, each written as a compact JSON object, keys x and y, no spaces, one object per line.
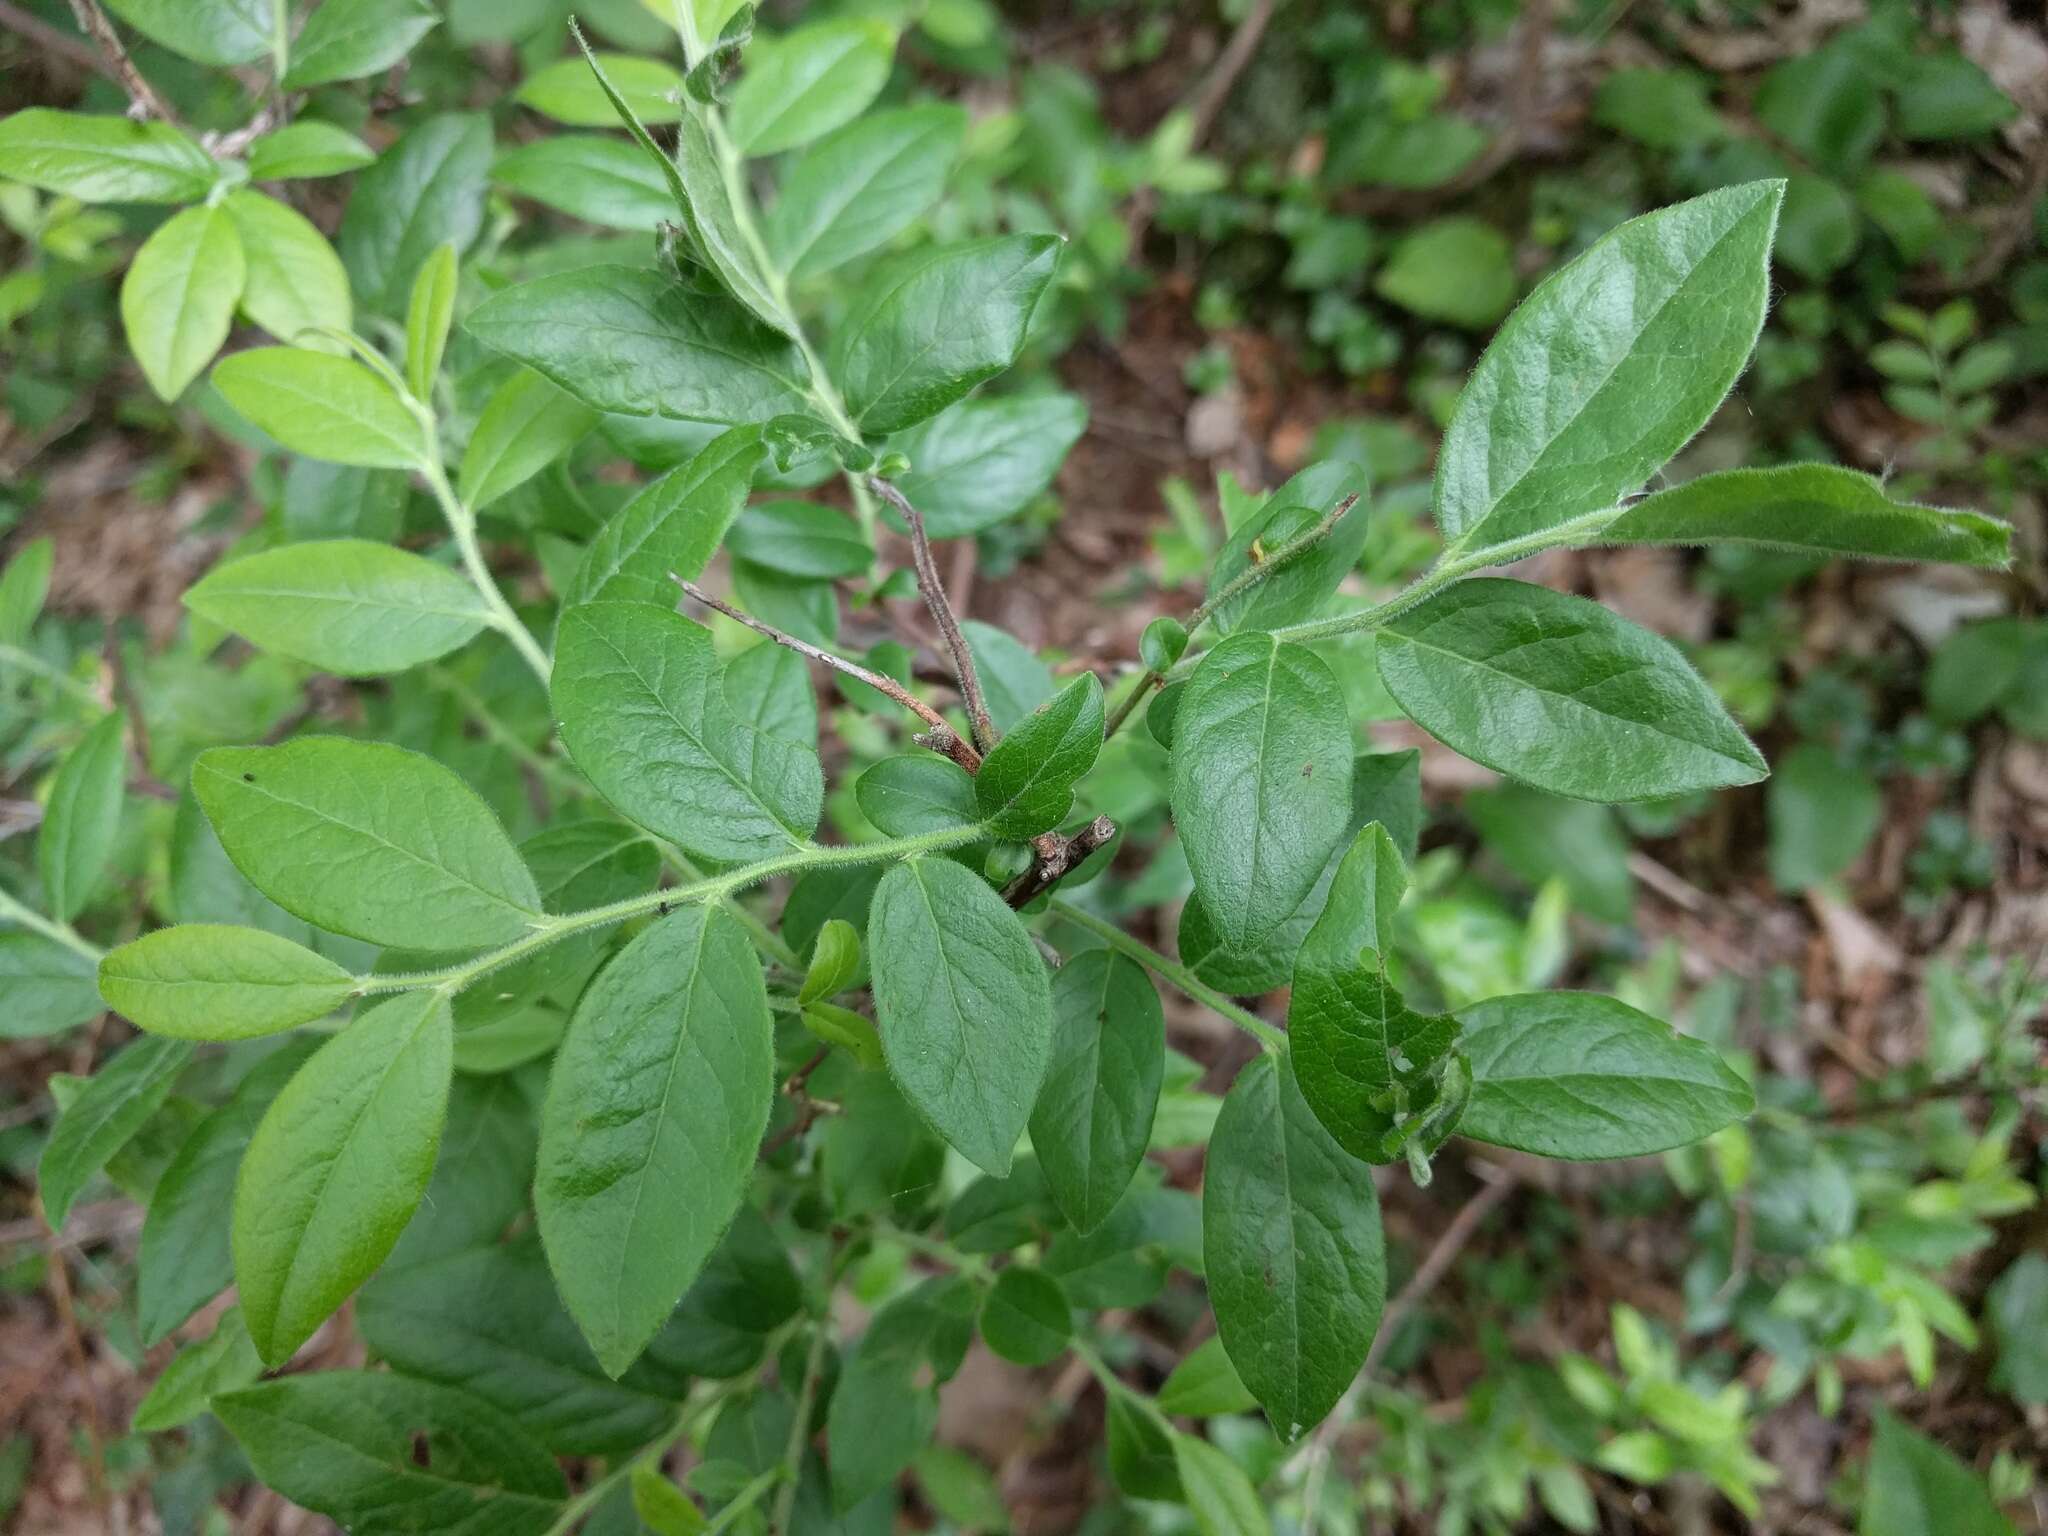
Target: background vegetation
{"x":1292,"y":227}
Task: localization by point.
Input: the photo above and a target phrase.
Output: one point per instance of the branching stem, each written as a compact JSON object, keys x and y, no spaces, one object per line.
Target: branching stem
{"x":462,"y":523}
{"x":935,"y":599}
{"x":1173,"y":973}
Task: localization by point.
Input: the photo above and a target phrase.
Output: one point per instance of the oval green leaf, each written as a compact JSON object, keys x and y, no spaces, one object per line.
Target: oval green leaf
{"x":213,"y":981}
{"x":1093,"y":1119}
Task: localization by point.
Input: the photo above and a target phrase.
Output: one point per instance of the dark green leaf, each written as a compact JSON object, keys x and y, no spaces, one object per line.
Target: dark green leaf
{"x":800,"y":538}
{"x":1822,"y":814}
{"x":1217,"y":1490}
{"x":1026,"y":784}
{"x":1542,"y":837}
{"x":348,"y":39}
{"x":103,"y":1117}
{"x":856,"y":190}
{"x":1205,"y":1383}
{"x":809,"y":82}
{"x":221,"y":1362}
{"x":915,"y":793}
{"x":653,"y":1120}
{"x":1026,"y":1319}
{"x":1915,"y":1487}
{"x":675,"y":524}
{"x":1298,"y":589}
{"x":216,"y":32}
{"x":49,"y":986}
{"x":1014,"y":681}
{"x":598,"y":180}
{"x":1094,"y":1114}
{"x":424,"y":191}
{"x":882,"y":1414}
{"x":81,"y":818}
{"x":981,"y":461}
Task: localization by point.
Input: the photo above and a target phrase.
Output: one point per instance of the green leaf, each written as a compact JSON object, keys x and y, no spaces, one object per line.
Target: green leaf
{"x":1542,"y":837}
{"x":527,"y":425}
{"x":346,"y":606}
{"x":221,"y":1362}
{"x":348,"y":39}
{"x":2017,"y":1309}
{"x":484,"y":1173}
{"x":598,"y":180}
{"x":675,"y":524}
{"x":307,"y":149}
{"x":1813,"y":507}
{"x":388,"y":1456}
{"x":332,"y":501}
{"x":858,"y":189}
{"x":49,"y":987}
{"x":369,"y":840}
{"x":429,"y":311}
{"x":1298,"y":589}
{"x":963,"y":1004}
{"x":1818,"y":231}
{"x":642,"y":711}
{"x":1140,"y":1450}
{"x":294,"y":282}
{"x":1576,"y":404}
{"x":642,"y":344}
{"x":653,"y":1120}
{"x":103,"y":1117}
{"x":770,"y":688}
{"x":1026,"y":1319}
{"x":1026,"y":784}
{"x":425,"y":191}
{"x":802,"y":539}
{"x":185,"y":1257}
{"x":1292,"y":1248}
{"x":1261,"y":780}
{"x":24,"y":588}
{"x":325,"y":407}
{"x":1572,"y":1074}
{"x":1204,"y":1384}
{"x":1458,"y":270}
{"x":1945,"y":95}
{"x":1014,"y":681}
{"x":104,"y":159}
{"x":961,"y":1489}
{"x":937,"y":323}
{"x":811,"y":81}
{"x":1093,"y":1118}
{"x":1667,"y":109}
{"x":81,"y":817}
{"x":216,"y":32}
{"x":663,"y":1507}
{"x":179,"y":296}
{"x":883,"y":1411}
{"x":1222,"y":1498}
{"x":1914,"y":1487}
{"x":835,"y":962}
{"x":1822,"y":813}
{"x":521,"y":1353}
{"x":569,"y":92}
{"x":337,"y":1166}
{"x":211,"y":981}
{"x":982,"y":461}
{"x":714,"y":226}
{"x":916,"y":792}
{"x":1365,"y":1061}
{"x":1561,"y":693}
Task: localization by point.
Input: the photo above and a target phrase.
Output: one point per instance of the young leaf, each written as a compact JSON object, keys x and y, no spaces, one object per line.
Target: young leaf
{"x":210,"y":981}
{"x":914,"y":793}
{"x":1365,"y":1061}
{"x":568,"y":90}
{"x":1026,"y":784}
{"x":1261,"y":780}
{"x":346,"y":606}
{"x":305,"y":150}
{"x":526,"y":426}
{"x":185,"y":1256}
{"x":81,"y":818}
{"x":110,"y":1107}
{"x":675,"y":524}
{"x":963,"y":1003}
{"x":369,"y":840}
{"x":643,"y":713}
{"x":835,"y":962}
{"x":1582,"y":397}
{"x":521,"y":1353}
{"x":325,"y":407}
{"x":221,"y":1362}
{"x":1204,"y":1384}
{"x":179,"y":296}
{"x":1572,"y":1074}
{"x":294,"y":282}
{"x":936,"y":324}
{"x":1815,"y":507}
{"x":1217,"y":1491}
{"x":429,"y":311}
{"x":337,"y":1166}
{"x":380,"y":1452}
{"x":599,"y":180}
{"x":1561,"y":693}
{"x":104,"y":159}
{"x":348,"y":39}
{"x":849,"y":194}
{"x":1292,"y":1248}
{"x":1093,"y":1118}
{"x":425,"y":191}
{"x":642,"y":344}
{"x":1026,"y":1319}
{"x":809,"y":82}
{"x":1299,"y":588}
{"x":653,"y":1119}
{"x":24,"y":588}
{"x":49,"y":987}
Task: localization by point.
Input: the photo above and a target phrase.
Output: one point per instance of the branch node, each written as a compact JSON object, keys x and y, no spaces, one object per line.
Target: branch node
{"x":934,"y":592}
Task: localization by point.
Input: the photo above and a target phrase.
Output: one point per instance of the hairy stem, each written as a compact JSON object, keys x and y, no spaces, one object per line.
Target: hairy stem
{"x":551,"y":930}
{"x":462,"y":523}
{"x":1173,"y":973}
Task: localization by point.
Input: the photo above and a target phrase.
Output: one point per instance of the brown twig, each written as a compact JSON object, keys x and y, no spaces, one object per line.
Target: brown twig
{"x":143,"y":101}
{"x":942,"y":613}
{"x":50,"y":40}
{"x":1057,"y":858}
{"x":940,"y":738}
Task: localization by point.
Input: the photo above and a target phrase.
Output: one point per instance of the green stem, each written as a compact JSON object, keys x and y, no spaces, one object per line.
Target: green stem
{"x":14,"y":655}
{"x":462,"y":523}
{"x":550,"y":930}
{"x":13,"y":911}
{"x":766,"y":939}
{"x":551,"y":769}
{"x":1173,"y":973}
{"x":648,"y":1455}
{"x":792,"y":1464}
